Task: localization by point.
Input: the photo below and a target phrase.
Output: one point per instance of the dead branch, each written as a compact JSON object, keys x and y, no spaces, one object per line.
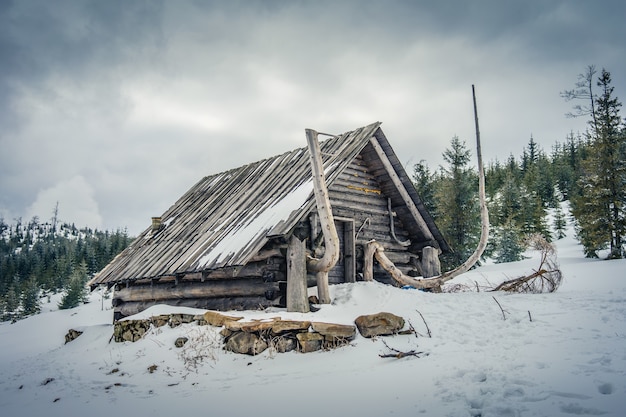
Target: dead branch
{"x":399,"y":354}
{"x":501,"y":309}
{"x":411,"y":330}
{"x":426,"y":324}
{"x":547,"y":278}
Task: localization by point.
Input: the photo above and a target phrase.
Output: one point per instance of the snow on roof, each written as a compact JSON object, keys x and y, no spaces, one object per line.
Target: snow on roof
{"x":252,"y":229}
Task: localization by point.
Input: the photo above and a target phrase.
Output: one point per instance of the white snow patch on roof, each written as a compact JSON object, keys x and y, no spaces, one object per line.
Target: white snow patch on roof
{"x":246,"y":234}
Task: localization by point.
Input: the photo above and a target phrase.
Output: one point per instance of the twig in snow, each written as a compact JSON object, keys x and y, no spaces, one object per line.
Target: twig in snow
{"x":426,"y":324}
{"x":399,"y":354}
{"x":501,"y":309}
{"x":412,"y":330}
{"x":530,"y":317}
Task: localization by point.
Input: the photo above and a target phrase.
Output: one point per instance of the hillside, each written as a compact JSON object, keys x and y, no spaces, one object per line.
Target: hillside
{"x":554,"y":354}
{"x":39,"y":259}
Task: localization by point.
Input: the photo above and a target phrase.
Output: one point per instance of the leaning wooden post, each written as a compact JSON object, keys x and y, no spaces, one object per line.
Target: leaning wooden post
{"x":331,"y":239}
{"x":297,"y":299}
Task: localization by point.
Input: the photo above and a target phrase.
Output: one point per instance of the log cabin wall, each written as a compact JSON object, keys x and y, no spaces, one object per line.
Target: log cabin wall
{"x":258,"y":285}
{"x":357,"y":194}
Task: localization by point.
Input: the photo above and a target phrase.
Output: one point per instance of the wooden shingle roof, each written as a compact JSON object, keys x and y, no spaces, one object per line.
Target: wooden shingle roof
{"x":226,"y":218}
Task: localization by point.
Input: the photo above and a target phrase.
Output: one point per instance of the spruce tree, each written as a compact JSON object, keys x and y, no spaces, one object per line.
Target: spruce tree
{"x":457,"y":210}
{"x":559,"y":222}
{"x":509,"y":243}
{"x":424,"y":183}
{"x":599,"y":207}
{"x":76,"y":291}
{"x":30,"y":296}
{"x":11,"y":305}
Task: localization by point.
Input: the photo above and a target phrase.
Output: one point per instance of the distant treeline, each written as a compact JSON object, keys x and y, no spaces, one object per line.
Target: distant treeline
{"x":43,"y":258}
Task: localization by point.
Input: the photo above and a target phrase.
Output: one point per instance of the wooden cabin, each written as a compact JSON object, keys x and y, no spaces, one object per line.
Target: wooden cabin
{"x":223,"y":244}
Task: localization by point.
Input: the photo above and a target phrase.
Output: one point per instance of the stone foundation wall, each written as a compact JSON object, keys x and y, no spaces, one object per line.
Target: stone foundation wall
{"x":253,"y":337}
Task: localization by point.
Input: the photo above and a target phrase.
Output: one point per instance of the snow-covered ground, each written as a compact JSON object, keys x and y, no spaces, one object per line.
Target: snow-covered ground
{"x":555,"y":354}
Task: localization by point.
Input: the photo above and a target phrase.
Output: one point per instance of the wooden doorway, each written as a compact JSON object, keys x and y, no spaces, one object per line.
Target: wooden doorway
{"x":345,"y":269}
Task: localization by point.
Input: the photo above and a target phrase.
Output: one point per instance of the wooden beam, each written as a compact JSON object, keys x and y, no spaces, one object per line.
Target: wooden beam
{"x":408,"y":201}
{"x":221,"y":304}
{"x":207,"y":289}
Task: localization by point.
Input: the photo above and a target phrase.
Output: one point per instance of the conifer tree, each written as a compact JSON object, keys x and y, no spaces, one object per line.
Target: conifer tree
{"x":424,"y":183}
{"x":76,"y":291}
{"x":560,"y":222}
{"x":11,"y":304}
{"x":30,"y":296}
{"x":457,"y":210}
{"x":599,"y":207}
{"x":509,"y":246}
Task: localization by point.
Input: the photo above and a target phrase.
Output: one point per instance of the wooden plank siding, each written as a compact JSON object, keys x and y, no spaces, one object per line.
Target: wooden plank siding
{"x":358,"y":195}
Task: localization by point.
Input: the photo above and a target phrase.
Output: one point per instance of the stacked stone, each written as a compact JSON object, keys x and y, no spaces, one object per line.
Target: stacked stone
{"x":254,"y":337}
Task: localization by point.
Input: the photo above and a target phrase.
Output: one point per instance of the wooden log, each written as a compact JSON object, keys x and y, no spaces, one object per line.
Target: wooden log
{"x":207,"y":289}
{"x":399,"y":276}
{"x":220,"y":304}
{"x":297,"y":297}
{"x":431,"y":267}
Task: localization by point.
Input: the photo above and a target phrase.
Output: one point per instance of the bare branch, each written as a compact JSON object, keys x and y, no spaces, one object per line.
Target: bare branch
{"x":399,"y":354}
{"x":501,"y":309}
{"x":547,"y":278}
{"x":426,"y":324}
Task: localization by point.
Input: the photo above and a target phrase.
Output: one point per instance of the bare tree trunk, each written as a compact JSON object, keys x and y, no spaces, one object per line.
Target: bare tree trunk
{"x":331,"y":239}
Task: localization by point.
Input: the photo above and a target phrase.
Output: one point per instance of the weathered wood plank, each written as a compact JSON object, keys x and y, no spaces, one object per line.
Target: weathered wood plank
{"x":220,"y":304}
{"x":207,"y":289}
{"x":431,"y":266}
{"x":297,"y":298}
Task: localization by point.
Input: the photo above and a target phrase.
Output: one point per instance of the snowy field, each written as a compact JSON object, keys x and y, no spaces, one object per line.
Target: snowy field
{"x":559,"y":354}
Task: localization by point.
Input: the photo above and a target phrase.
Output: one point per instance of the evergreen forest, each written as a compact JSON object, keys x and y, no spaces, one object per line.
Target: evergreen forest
{"x":587,"y":169}
{"x":39,"y":259}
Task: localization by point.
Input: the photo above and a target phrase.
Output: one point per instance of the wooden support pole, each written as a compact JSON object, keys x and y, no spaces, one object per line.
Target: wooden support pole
{"x":331,"y":239}
{"x":297,"y":299}
{"x":368,"y":262}
{"x":431,"y":267}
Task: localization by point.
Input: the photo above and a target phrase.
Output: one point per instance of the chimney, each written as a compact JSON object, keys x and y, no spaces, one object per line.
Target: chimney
{"x":156,"y":224}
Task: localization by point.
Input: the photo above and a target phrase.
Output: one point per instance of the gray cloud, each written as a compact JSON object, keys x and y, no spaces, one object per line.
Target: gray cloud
{"x":139,"y":100}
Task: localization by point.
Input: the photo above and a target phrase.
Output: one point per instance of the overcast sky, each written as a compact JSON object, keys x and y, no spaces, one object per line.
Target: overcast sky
{"x":115,"y":108}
